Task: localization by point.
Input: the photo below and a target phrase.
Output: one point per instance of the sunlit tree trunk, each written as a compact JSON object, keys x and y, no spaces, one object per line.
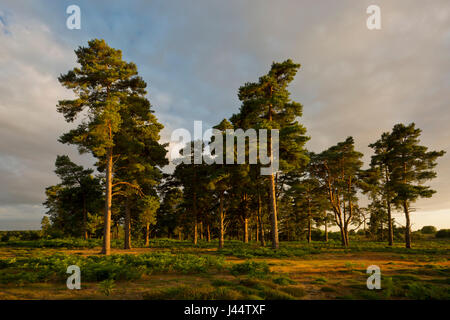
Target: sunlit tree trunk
{"x":195,"y":219}
{"x":273,"y":198}
{"x":407,"y":226}
{"x":221,"y":214}
{"x":108,"y":200}
{"x":245,"y":230}
{"x":388,"y":206}
{"x":147,"y":234}
{"x":261,"y":228}
{"x":127,"y":226}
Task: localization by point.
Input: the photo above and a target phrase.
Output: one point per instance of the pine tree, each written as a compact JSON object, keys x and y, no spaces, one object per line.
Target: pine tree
{"x":338,"y":169}
{"x":412,"y":165}
{"x":79,"y":180}
{"x":266,"y":105}
{"x":139,"y":155}
{"x":70,"y":201}
{"x":102,"y":84}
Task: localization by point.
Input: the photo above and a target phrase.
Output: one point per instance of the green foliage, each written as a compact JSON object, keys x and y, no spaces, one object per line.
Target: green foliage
{"x":150,"y":205}
{"x":251,"y":268}
{"x":194,"y":293}
{"x":107,"y":286}
{"x":8,"y":236}
{"x":321,"y":280}
{"x":98,"y":268}
{"x":283,"y":281}
{"x":419,"y":291}
{"x":428,"y":230}
{"x":443,"y":233}
{"x":294,"y":291}
{"x":69,"y":202}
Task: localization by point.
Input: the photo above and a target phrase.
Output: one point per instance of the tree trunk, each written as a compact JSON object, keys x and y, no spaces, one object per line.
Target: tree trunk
{"x":147,"y":234}
{"x":257,"y":230}
{"x":381,"y":232}
{"x":201,"y":230}
{"x":108,"y":200}
{"x":388,"y":206}
{"x":408,"y":225}
{"x":342,"y":236}
{"x":245,"y":230}
{"x":221,"y":240}
{"x":179,"y":235}
{"x":273,"y":197}
{"x":261,"y":228}
{"x":208,"y":233}
{"x":390,"y":228}
{"x":195,"y":217}
{"x":85,"y":231}
{"x":309,"y":221}
{"x":326,"y":231}
{"x":273,"y":209}
{"x":195,"y":231}
{"x":127,"y":226}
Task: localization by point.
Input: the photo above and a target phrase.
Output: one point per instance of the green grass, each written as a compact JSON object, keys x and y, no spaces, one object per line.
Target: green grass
{"x":99,"y":268}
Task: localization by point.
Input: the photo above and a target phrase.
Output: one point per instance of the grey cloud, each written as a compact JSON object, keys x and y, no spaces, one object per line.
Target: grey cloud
{"x":195,"y":56}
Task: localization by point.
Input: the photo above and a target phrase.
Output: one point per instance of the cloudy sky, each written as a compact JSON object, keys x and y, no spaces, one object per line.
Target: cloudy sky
{"x":194,"y":55}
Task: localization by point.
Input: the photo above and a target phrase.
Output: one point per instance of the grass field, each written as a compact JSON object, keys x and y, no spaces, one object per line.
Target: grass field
{"x":172,"y":269}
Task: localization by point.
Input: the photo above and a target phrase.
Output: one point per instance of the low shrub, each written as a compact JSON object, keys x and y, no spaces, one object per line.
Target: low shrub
{"x":283,"y":281}
{"x":251,"y":268}
{"x":443,"y":233}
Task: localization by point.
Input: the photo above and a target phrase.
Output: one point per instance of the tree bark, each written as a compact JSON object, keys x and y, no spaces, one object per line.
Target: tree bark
{"x":108,"y":200}
{"x":273,"y":198}
{"x":326,"y":231}
{"x":221,"y":239}
{"x":147,"y":234}
{"x":390,"y":229}
{"x":388,"y":205}
{"x":195,"y":217}
{"x":346,"y":237}
{"x":201,"y":230}
{"x":257,"y":230}
{"x":127,"y":231}
{"x":208,"y":233}
{"x":408,"y":225}
{"x":261,"y":228}
{"x":343,"y":241}
{"x":85,"y":231}
{"x":245,"y":230}
{"x":273,"y":209}
{"x":309,"y":220}
{"x":381,"y":228}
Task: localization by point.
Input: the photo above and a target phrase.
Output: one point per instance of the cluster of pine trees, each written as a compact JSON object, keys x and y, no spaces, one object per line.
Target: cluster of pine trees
{"x":221,"y":201}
